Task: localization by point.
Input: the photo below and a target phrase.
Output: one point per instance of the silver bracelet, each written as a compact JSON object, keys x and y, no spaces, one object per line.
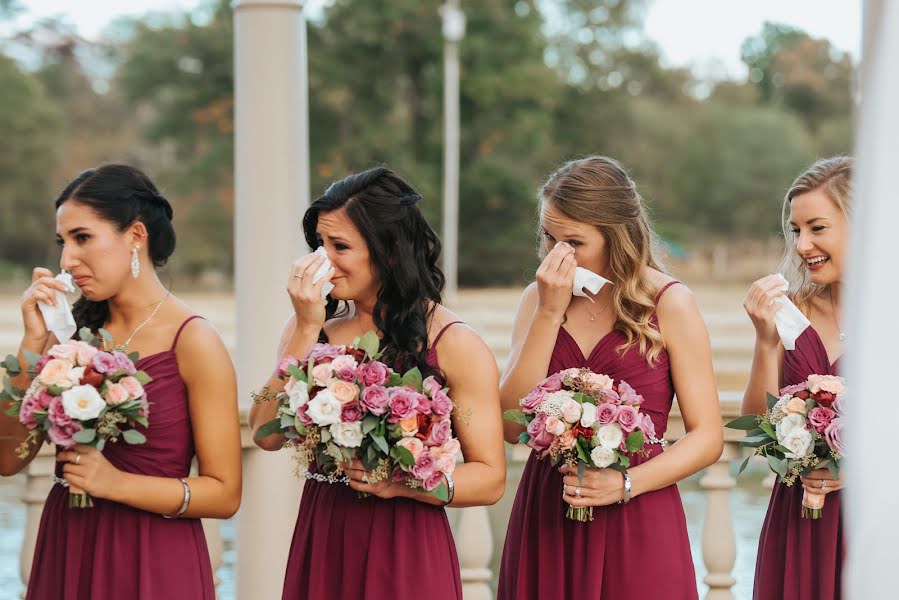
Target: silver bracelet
{"x":183,"y":508}
{"x":451,"y":487}
{"x":627,"y":489}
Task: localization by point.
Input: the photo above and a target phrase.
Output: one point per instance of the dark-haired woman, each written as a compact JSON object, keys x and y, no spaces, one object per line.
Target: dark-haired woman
{"x":114,"y":228}
{"x":396,"y":542}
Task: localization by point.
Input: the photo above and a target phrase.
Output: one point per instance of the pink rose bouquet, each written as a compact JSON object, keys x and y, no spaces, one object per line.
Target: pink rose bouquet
{"x":79,"y":394}
{"x":586,"y":420}
{"x":801,"y":431}
{"x":341,"y":403}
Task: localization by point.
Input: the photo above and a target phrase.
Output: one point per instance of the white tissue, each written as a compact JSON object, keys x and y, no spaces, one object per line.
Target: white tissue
{"x":59,"y":318}
{"x":789,"y":320}
{"x":322,"y":271}
{"x":587,"y":280}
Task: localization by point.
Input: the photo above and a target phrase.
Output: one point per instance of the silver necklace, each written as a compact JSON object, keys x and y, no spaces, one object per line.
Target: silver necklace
{"x":122,"y":347}
{"x":840,"y":335}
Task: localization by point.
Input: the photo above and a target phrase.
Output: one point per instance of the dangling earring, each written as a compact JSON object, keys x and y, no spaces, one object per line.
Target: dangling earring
{"x":135,"y":263}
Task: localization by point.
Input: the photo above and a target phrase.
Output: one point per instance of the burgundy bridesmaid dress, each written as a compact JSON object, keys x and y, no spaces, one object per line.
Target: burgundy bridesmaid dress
{"x":801,"y":559}
{"x":113,"y":551}
{"x":637,"y":550}
{"x":350,"y":548}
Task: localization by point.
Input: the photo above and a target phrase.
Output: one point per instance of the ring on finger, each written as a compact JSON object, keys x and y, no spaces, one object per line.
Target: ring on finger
{"x":823,"y":483}
{"x":577,"y":492}
{"x":297,"y":276}
{"x":77,"y":458}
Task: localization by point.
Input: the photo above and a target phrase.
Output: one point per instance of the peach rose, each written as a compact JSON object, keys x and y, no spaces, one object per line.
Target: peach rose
{"x":344,"y":391}
{"x":597,"y":382}
{"x":134,"y":387}
{"x":555,"y":426}
{"x":56,"y":372}
{"x":86,"y":353}
{"x":413,"y":445}
{"x":116,"y":393}
{"x":796,"y":406}
{"x":567,"y":440}
{"x":66,"y":352}
{"x":409,"y":427}
{"x":321,"y":374}
{"x":825,"y":383}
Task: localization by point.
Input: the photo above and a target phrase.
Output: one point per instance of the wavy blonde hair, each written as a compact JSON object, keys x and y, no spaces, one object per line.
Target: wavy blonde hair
{"x":598,"y":191}
{"x":833,"y":176}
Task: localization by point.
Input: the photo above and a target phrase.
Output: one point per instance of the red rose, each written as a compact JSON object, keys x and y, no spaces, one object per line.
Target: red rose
{"x":92,"y":377}
{"x":825,"y":398}
{"x":424,"y":427}
{"x":802,"y":395}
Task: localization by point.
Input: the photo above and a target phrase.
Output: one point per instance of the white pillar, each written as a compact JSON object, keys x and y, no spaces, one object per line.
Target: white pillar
{"x":453,"y":32}
{"x":872,"y":291}
{"x":271,"y":194}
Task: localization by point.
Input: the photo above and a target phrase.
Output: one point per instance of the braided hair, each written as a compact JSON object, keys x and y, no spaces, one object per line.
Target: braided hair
{"x":404,"y":251}
{"x":122,"y":195}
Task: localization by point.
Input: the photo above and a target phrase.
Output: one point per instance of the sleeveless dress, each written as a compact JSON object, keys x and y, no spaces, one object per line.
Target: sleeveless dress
{"x":637,"y":550}
{"x":801,"y":559}
{"x":113,"y":551}
{"x":350,"y":548}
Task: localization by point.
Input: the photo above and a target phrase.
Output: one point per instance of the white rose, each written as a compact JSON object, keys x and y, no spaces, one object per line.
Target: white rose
{"x":343,"y":361}
{"x":324,"y":409}
{"x":82,"y":402}
{"x":348,"y":435}
{"x":588,"y":418}
{"x":798,"y":442}
{"x":75,"y":375}
{"x":571,"y":410}
{"x":298,"y":394}
{"x":788,"y":424}
{"x":609,"y":436}
{"x":602,"y":457}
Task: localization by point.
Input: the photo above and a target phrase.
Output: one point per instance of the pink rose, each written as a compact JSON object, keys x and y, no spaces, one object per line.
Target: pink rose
{"x":403,"y":403}
{"x":834,"y":436}
{"x":424,"y":466}
{"x":531,"y":402}
{"x":62,"y":436}
{"x":610,"y":397}
{"x":302,"y":416}
{"x":628,"y":395}
{"x":26,"y":411}
{"x":413,"y":445}
{"x":647,"y":426}
{"x":820,"y":417}
{"x":628,"y":418}
{"x":607,"y":413}
{"x":56,"y":372}
{"x":567,"y":440}
{"x":57,"y":414}
{"x":320,"y":352}
{"x":375,"y":399}
{"x":134,"y":387}
{"x":344,"y":391}
{"x":115,"y":394}
{"x":553,"y":383}
{"x":351,"y":412}
{"x":555,"y":426}
{"x":399,"y":476}
{"x":446,"y":463}
{"x":431,"y":386}
{"x":434,"y":480}
{"x":424,"y":405}
{"x":123,"y":363}
{"x":42,"y":362}
{"x":792,"y":390}
{"x":85,"y":353}
{"x":287,"y":362}
{"x":104,"y":362}
{"x":67,"y":352}
{"x":441,"y":404}
{"x":441,"y":432}
{"x":540,"y":439}
{"x":837,"y":405}
{"x":374,"y":373}
{"x":571,"y":411}
{"x":321,"y":374}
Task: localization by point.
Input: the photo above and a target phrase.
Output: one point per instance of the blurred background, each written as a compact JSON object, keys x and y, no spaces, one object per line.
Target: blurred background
{"x":713,"y":107}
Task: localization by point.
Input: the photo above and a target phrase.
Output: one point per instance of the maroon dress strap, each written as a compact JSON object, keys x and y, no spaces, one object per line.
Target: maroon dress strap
{"x":664,"y":288}
{"x":180,"y":329}
{"x":441,"y":332}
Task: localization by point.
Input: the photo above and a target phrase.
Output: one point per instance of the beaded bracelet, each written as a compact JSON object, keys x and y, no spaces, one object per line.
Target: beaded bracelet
{"x":183,"y":508}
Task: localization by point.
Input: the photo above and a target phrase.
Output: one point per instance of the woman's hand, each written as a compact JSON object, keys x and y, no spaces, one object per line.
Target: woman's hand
{"x":87,"y":469}
{"x":600,"y":487}
{"x":358,"y":476}
{"x":43,"y":288}
{"x":555,"y":277}
{"x":761,"y":305}
{"x":820,"y":481}
{"x":305,"y":295}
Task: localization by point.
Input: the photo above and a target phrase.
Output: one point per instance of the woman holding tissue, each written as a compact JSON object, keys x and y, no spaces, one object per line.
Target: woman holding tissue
{"x":383,"y":254}
{"x":643,"y":327}
{"x":143,"y":537}
{"x":802,"y":558}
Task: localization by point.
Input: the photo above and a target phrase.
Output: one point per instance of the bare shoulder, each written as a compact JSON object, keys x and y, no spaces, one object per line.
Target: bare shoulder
{"x":198,"y":346}
{"x":458,"y":342}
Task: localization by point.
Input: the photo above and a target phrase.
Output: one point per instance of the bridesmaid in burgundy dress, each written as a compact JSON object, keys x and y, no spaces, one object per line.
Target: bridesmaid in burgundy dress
{"x":115,"y":228}
{"x":644,"y":328}
{"x":798,"y":558}
{"x":396,"y":543}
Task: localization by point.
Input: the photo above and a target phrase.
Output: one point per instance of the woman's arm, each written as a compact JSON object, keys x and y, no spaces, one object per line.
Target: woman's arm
{"x":767,"y":357}
{"x":211,"y":383}
{"x":473,"y":382}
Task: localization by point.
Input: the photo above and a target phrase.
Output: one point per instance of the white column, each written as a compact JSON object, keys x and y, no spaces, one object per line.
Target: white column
{"x":719,"y":546}
{"x":872,"y":291}
{"x":271,"y":194}
{"x":37,"y":486}
{"x":453,"y":32}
